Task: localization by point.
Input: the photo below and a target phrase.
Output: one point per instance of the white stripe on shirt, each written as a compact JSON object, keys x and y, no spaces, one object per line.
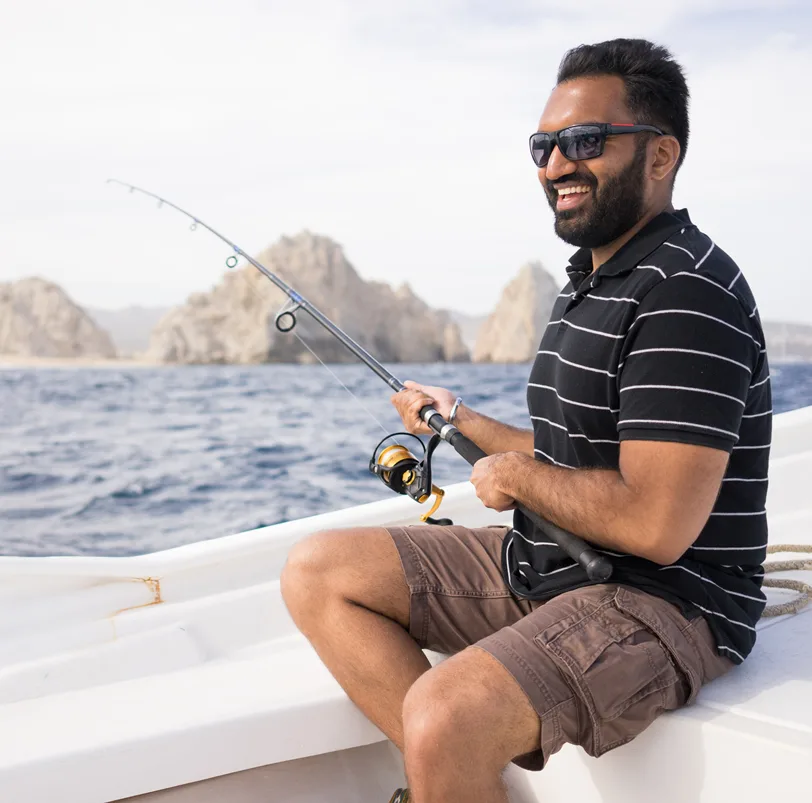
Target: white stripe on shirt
{"x":677,"y":423}
{"x":698,"y":314}
{"x":652,"y":267}
{"x":553,"y":460}
{"x":584,"y":329}
{"x":542,"y":543}
{"x":571,"y":434}
{"x":736,"y":278}
{"x":576,"y":364}
{"x":570,"y":401}
{"x":529,"y":541}
{"x":748,"y":513}
{"x":730,"y":649}
{"x":682,"y":387}
{"x":591,"y":440}
{"x":547,"y":421}
{"x":708,"y":580}
{"x":671,"y":245}
{"x":705,"y":279}
{"x":609,"y":298}
{"x":716,"y":613}
{"x":690,"y":351}
{"x":699,"y":264}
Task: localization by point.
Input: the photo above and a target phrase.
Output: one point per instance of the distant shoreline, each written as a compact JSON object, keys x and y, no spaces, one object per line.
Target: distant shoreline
{"x":10,"y":362}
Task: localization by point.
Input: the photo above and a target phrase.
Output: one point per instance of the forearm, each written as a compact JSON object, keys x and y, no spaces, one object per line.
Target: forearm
{"x":596,"y":504}
{"x":492,"y":436}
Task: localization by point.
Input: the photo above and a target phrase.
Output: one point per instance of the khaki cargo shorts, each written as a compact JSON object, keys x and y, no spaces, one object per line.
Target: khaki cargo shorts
{"x":599,"y":664}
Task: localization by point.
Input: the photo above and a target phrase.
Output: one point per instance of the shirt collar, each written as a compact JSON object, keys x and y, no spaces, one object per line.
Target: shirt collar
{"x":632,"y":253}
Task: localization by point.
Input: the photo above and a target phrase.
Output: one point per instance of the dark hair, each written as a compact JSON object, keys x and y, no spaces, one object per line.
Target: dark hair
{"x":656,"y":91}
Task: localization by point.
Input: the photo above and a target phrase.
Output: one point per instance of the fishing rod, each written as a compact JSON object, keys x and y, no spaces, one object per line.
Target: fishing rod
{"x":394,"y":464}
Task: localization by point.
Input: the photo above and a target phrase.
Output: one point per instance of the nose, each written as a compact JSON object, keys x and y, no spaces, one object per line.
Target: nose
{"x":557,"y":167}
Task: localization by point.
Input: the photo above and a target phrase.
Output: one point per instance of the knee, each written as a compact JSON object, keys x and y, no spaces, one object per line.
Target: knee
{"x":305,"y":577}
{"x":440,"y":721}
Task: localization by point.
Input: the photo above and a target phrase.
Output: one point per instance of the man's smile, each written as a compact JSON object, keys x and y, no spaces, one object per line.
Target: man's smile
{"x":571,"y":197}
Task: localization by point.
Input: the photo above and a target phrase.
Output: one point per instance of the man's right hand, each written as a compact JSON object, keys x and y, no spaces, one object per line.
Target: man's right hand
{"x":411,"y":401}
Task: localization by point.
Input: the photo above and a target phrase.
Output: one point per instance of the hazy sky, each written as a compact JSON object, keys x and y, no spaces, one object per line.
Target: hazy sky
{"x":400,"y":130}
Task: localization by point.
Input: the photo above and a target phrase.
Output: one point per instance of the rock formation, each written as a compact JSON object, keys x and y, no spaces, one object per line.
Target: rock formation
{"x":38,"y":319}
{"x":513,"y":331}
{"x":234,"y":323}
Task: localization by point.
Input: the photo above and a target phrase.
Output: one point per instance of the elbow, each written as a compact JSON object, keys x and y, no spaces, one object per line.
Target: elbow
{"x":667,"y":544}
{"x":663,"y":555}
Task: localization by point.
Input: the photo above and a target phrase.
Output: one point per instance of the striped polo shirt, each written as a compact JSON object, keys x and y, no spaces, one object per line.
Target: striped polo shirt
{"x":663,"y":342}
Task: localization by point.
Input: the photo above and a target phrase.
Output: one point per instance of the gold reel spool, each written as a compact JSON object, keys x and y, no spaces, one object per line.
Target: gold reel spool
{"x":394,"y":456}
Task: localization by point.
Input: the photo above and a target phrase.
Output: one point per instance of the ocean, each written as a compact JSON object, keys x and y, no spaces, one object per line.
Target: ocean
{"x":123,"y":461}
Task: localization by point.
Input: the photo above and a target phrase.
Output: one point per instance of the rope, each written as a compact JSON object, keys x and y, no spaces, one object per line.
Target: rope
{"x":804,"y":589}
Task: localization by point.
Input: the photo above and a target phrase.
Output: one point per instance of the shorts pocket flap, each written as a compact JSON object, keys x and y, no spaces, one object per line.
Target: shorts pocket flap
{"x":667,"y":631}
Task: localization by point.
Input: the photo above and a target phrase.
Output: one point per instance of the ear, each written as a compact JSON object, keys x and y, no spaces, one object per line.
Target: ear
{"x":666,"y":154}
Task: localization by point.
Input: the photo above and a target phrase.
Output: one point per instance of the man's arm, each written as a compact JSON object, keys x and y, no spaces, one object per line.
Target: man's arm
{"x":687,"y":366}
{"x":655,"y":506}
{"x":490,"y":435}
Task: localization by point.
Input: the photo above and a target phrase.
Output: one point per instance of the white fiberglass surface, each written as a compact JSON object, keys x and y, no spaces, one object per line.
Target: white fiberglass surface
{"x":142,"y":673}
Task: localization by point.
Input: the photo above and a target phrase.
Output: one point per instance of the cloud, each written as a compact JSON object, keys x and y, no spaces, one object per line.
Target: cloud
{"x":402,"y":135}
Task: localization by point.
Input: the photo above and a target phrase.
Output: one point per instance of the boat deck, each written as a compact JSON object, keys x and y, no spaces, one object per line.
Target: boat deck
{"x":122,"y":677}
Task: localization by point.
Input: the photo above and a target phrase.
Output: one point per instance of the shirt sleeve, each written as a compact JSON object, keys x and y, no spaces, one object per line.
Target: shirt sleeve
{"x":687,"y":365}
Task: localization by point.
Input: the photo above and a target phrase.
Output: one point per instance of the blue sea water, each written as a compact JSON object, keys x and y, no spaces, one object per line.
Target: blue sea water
{"x":122,"y":461}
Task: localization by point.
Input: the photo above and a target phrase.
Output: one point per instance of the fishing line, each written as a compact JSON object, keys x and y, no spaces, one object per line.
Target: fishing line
{"x":337,"y":379}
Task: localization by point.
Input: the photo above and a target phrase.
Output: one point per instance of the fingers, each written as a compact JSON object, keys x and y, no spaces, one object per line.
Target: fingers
{"x":409,"y":403}
{"x":412,"y":385}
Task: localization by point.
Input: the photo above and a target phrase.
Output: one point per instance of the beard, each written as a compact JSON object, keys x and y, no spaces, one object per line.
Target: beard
{"x":613,"y":209}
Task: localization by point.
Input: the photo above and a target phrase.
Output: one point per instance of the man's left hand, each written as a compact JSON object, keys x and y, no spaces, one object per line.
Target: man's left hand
{"x":491,"y":477}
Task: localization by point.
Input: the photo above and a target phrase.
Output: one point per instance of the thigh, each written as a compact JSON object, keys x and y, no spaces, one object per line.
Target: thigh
{"x":457,"y":593}
{"x":601,"y":663}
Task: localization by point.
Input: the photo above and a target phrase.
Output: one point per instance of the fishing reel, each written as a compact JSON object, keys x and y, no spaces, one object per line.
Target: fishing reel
{"x":404,"y":473}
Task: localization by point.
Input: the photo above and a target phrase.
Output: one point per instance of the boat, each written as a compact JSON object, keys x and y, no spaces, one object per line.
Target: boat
{"x":178,"y":676}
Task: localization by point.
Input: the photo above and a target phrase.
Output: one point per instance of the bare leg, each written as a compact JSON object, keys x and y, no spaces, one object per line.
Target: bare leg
{"x":346,"y":592}
{"x":464,"y":721}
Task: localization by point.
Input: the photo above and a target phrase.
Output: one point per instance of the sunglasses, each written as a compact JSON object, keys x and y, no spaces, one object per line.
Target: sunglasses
{"x":580,"y":141}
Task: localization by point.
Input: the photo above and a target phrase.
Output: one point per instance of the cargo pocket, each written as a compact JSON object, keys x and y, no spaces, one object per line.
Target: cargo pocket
{"x":620,"y":669}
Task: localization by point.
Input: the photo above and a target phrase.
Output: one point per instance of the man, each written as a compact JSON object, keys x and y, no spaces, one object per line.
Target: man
{"x":650,"y":403}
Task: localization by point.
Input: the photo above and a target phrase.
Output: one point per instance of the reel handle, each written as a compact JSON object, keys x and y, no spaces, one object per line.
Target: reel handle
{"x":597,"y":567}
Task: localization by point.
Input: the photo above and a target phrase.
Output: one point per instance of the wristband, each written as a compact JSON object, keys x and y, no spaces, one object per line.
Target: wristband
{"x":454,"y":409}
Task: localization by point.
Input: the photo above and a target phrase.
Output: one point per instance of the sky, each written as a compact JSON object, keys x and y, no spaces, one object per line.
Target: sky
{"x":397,"y":129}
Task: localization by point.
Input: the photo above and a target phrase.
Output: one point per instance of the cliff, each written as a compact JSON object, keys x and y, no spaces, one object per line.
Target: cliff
{"x":234,"y":323}
{"x":513,"y":331}
{"x":38,"y":319}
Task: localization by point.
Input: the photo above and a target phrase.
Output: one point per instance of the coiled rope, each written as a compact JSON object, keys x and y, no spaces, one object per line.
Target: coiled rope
{"x":804,"y":589}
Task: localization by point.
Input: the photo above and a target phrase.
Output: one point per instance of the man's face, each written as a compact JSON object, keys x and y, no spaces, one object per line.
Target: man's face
{"x":610,"y":189}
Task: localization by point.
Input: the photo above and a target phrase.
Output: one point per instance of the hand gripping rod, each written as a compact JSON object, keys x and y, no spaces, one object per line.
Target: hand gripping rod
{"x":597,"y":567}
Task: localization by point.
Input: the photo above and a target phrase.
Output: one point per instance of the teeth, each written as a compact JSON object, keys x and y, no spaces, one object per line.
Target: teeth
{"x":571,"y":190}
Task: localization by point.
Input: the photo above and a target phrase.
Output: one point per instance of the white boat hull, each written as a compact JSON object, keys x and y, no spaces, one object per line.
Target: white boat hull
{"x":179,"y":676}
